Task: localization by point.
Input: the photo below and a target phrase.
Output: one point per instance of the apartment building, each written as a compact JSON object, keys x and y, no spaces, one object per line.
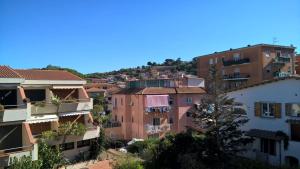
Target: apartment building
{"x":249,"y":65}
{"x":152,"y":108}
{"x":26,"y":96}
{"x":274,"y":114}
{"x":297,"y":62}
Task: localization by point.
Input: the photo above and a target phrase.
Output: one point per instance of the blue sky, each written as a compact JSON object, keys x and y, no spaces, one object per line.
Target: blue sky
{"x":104,"y":35}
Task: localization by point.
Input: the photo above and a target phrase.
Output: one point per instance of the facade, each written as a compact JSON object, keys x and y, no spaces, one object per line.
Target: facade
{"x":273,"y":109}
{"x":145,"y":112}
{"x":28,"y":111}
{"x":297,"y":62}
{"x":249,"y":65}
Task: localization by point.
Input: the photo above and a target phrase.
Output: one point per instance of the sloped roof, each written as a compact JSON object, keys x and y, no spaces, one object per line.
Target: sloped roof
{"x":7,"y":72}
{"x":162,"y":90}
{"x":33,"y":74}
{"x":297,"y":77}
{"x":95,"y":89}
{"x":196,"y":90}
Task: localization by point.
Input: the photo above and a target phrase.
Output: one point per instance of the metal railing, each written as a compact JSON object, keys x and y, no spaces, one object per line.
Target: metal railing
{"x":7,"y":152}
{"x":157,"y":128}
{"x":236,"y":76}
{"x":235,"y":61}
{"x":282,"y":60}
{"x":112,"y":124}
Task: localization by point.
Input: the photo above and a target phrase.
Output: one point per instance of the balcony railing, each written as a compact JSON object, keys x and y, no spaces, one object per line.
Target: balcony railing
{"x":236,"y":76}
{"x":151,"y":129}
{"x":112,"y":124}
{"x":7,"y":154}
{"x":13,"y":113}
{"x":65,"y":106}
{"x":281,"y":74}
{"x":164,"y":109}
{"x":235,"y":61}
{"x":282,"y":60}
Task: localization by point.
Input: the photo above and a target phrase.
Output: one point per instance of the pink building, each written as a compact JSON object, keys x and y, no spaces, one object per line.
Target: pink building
{"x":145,"y":112}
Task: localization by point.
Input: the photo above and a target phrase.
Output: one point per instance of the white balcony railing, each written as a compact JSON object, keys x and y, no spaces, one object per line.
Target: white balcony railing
{"x":17,"y":113}
{"x":151,"y":129}
{"x":66,"y":106}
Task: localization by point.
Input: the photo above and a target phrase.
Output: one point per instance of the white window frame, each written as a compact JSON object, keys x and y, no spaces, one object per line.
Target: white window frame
{"x":268,"y":113}
{"x":236,"y":56}
{"x":211,"y":61}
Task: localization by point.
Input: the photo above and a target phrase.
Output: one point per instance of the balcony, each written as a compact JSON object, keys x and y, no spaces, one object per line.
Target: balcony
{"x":42,"y":108}
{"x":281,"y":60}
{"x":152,"y":129}
{"x":235,"y":61}
{"x":7,"y":154}
{"x":112,"y":124}
{"x":236,"y":76}
{"x":281,"y":74}
{"x":14,"y":113}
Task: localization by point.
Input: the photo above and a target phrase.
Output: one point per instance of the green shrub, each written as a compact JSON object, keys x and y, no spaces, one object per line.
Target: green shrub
{"x":129,"y":164}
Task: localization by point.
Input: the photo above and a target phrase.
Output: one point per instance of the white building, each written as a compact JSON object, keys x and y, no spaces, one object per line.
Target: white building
{"x":272,"y":106}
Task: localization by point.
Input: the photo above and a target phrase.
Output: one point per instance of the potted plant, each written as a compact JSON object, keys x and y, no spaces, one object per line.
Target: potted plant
{"x":1,"y":108}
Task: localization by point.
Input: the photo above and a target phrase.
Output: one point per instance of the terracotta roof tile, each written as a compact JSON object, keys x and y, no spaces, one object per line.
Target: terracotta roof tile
{"x":158,"y":90}
{"x":7,"y":72}
{"x":32,"y":74}
{"x":196,"y":90}
{"x":95,"y":89}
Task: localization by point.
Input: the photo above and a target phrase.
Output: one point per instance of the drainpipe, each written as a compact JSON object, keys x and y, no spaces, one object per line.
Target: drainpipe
{"x":279,"y":153}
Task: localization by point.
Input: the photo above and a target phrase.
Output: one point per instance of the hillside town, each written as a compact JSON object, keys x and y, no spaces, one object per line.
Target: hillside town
{"x":241,"y":107}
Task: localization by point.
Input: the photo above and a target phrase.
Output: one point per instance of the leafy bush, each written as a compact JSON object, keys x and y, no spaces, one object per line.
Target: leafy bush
{"x":24,"y":162}
{"x":129,"y":164}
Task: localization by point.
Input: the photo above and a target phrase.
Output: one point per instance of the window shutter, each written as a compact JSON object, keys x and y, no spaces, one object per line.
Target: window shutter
{"x":257,"y":109}
{"x":277,"y":110}
{"x":288,"y":109}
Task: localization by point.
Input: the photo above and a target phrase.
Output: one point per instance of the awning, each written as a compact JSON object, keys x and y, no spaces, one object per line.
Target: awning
{"x":157,"y":100}
{"x":42,"y":118}
{"x":265,"y":134}
{"x":293,"y":121}
{"x":66,"y":87}
{"x":73,"y":113}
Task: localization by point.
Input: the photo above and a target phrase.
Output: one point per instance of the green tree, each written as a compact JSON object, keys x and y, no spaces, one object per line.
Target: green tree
{"x":50,"y":157}
{"x":222,"y":121}
{"x":24,"y":162}
{"x":128,"y":163}
{"x":99,"y":145}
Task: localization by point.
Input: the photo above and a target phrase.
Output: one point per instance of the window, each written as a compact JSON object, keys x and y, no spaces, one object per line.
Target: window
{"x":278,"y":53}
{"x":83,"y":143}
{"x":35,"y":94}
{"x":188,"y":114}
{"x":295,"y":132}
{"x":122,"y":119}
{"x":237,"y":70}
{"x":268,"y":109}
{"x":67,"y":146}
{"x":116,"y":118}
{"x":115,"y":103}
{"x":268,"y":146}
{"x":265,"y":109}
{"x":236,"y":56}
{"x":216,"y":60}
{"x":156,"y":121}
{"x":189,"y":100}
{"x":171,"y":120}
{"x":122,"y":101}
{"x":292,"y":109}
{"x":211,"y":61}
{"x":171,"y":101}
{"x":267,"y":53}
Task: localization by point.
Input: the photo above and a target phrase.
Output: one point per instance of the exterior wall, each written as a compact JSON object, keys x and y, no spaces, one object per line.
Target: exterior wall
{"x":258,"y":67}
{"x":135,"y":118}
{"x":283,"y":91}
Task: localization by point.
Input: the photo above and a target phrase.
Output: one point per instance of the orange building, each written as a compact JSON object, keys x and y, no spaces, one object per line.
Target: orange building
{"x":250,"y":64}
{"x":145,"y":112}
{"x":297,"y":62}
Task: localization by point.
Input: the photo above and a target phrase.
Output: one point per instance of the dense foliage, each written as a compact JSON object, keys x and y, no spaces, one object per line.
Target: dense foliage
{"x":24,"y":162}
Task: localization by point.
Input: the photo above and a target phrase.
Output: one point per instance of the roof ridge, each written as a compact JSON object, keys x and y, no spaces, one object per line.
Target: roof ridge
{"x":14,"y":71}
